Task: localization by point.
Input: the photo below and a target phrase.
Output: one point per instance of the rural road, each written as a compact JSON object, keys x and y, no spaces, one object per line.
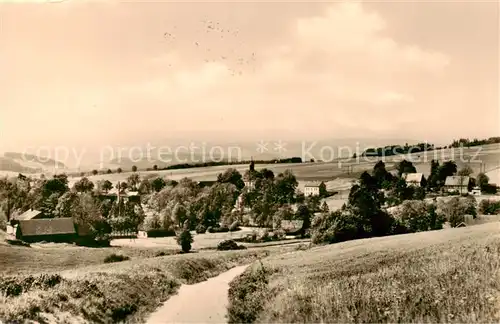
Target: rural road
{"x":204,"y":302}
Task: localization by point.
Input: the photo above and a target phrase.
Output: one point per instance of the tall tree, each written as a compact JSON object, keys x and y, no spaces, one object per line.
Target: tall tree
{"x":83,"y":185}
{"x":482,"y":180}
{"x":231,"y":176}
{"x":133,"y":181}
{"x":406,"y":167}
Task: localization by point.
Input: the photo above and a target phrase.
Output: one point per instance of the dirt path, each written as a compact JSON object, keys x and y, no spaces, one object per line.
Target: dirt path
{"x":204,"y":302}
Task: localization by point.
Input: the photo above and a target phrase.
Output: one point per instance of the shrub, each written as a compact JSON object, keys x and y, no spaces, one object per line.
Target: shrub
{"x":184,"y":240}
{"x":234,"y":227}
{"x":417,"y":216}
{"x":201,"y":229}
{"x":222,"y":229}
{"x":264,"y":236}
{"x":280,"y":234}
{"x":335,"y":227}
{"x":3,"y":221}
{"x":115,"y":258}
{"x":210,"y":229}
{"x":489,"y":207}
{"x":455,"y":209}
{"x":15,"y":286}
{"x":161,"y":232}
{"x":247,"y":295}
{"x":229,"y":245}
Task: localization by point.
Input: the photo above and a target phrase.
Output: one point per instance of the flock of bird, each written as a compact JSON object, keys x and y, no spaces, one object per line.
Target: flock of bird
{"x":214,"y":30}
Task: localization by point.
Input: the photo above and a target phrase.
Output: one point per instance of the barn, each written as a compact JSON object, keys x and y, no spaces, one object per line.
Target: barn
{"x":47,"y":229}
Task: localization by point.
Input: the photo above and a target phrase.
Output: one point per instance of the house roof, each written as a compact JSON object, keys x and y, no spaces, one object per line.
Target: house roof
{"x":47,"y":226}
{"x":312,"y":184}
{"x":413,"y":177}
{"x":457,"y":181}
{"x":30,"y":214}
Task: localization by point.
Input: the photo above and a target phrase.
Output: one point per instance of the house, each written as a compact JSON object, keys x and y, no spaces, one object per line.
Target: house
{"x":47,"y":229}
{"x":312,"y":189}
{"x":457,"y":183}
{"x":476,"y":191}
{"x":124,"y":195}
{"x":413,"y":179}
{"x":250,"y":184}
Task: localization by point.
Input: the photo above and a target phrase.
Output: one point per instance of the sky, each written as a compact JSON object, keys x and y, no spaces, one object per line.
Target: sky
{"x":94,"y":73}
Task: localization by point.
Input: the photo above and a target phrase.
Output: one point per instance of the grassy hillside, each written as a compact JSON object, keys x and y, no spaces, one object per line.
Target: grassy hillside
{"x":443,"y":276}
{"x":117,"y":292}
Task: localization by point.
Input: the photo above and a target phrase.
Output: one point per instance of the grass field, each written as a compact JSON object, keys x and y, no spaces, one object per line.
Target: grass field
{"x":451,"y":275}
{"x":70,"y":284}
{"x":337,"y":169}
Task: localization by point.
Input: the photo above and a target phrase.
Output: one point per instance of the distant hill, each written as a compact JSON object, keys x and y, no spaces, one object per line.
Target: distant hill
{"x":27,"y":163}
{"x":8,"y":164}
{"x":47,"y":162}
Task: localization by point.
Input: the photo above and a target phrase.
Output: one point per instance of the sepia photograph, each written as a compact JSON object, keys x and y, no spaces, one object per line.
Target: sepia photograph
{"x":256,"y":161}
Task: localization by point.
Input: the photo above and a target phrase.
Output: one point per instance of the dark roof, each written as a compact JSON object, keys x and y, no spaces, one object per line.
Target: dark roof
{"x":30,"y":214}
{"x":47,"y":226}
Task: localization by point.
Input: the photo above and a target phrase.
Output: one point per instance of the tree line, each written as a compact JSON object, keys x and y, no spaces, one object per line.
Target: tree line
{"x":365,"y":213}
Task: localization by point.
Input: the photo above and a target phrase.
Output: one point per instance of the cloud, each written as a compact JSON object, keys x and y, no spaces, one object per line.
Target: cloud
{"x":337,"y":71}
{"x":331,"y":69}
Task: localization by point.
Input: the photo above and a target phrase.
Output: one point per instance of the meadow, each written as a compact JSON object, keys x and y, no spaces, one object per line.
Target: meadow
{"x":70,"y":284}
{"x":450,"y":275}
{"x":338,"y":169}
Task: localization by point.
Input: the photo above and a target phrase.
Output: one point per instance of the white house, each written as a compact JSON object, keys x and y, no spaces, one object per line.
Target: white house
{"x":249,"y":184}
{"x":457,"y":183}
{"x":476,"y":191}
{"x":311,"y":189}
{"x":413,"y":179}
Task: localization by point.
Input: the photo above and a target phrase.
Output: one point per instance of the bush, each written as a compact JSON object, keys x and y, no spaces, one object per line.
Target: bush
{"x":247,"y":295}
{"x":116,"y":258}
{"x":234,"y":227}
{"x":455,"y":209}
{"x":489,"y":207}
{"x":15,"y":286}
{"x":161,"y":232}
{"x":264,"y":236}
{"x":222,"y":229}
{"x":201,"y":229}
{"x":229,"y":245}
{"x":184,"y":240}
{"x":3,"y":221}
{"x":417,"y":216}
{"x":280,"y":234}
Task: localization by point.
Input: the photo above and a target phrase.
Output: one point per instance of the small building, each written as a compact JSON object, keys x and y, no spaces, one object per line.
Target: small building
{"x":413,"y":179}
{"x":476,"y":191}
{"x":458,"y":184}
{"x":249,"y":184}
{"x":312,"y":189}
{"x":47,"y":229}
{"x":124,"y":195}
